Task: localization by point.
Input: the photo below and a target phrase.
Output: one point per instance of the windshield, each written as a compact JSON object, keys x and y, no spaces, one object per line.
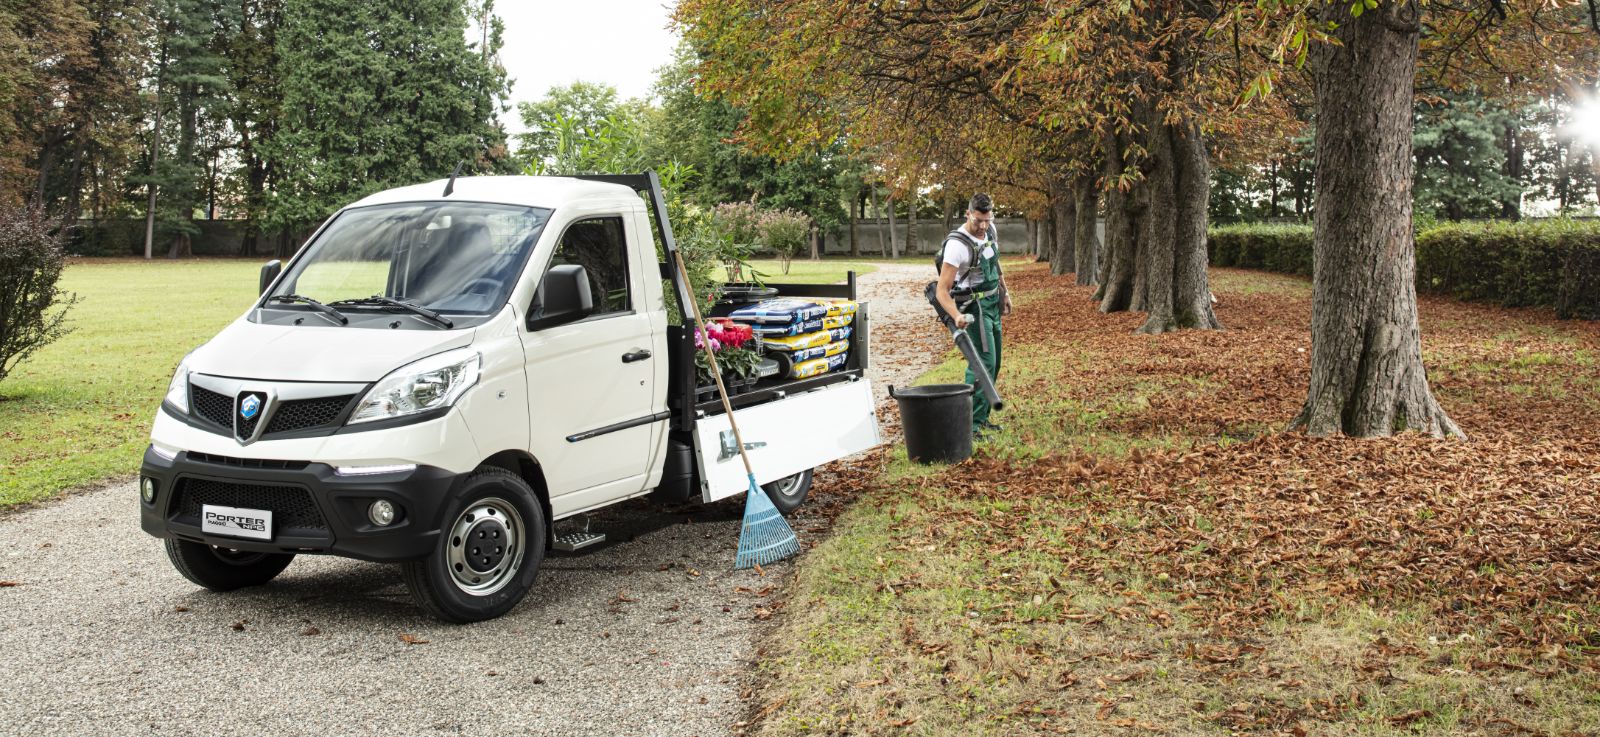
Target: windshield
{"x":459,"y":258}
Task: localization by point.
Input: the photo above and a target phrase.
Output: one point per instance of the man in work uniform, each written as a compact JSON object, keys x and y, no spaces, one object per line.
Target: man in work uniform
{"x":970,"y":261}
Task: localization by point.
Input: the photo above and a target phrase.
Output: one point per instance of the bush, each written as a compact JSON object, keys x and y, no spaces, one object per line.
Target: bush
{"x":1552,"y":263}
{"x":785,"y":232}
{"x":31,"y":259}
{"x":734,"y":228}
{"x":1282,"y":248}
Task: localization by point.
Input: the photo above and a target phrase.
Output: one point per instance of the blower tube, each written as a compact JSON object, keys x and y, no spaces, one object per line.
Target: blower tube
{"x":964,"y":341}
{"x":985,"y":384}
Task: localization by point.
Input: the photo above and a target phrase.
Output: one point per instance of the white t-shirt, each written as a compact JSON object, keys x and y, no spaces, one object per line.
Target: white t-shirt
{"x":956,"y":253}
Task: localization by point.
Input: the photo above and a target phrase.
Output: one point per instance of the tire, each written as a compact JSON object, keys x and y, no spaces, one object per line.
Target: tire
{"x":224,"y":569}
{"x":789,"y":492}
{"x":463,"y":582}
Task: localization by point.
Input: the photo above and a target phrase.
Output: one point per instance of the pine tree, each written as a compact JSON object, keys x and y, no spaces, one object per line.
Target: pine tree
{"x":1460,"y":160}
{"x":377,"y":95}
{"x":191,"y":88}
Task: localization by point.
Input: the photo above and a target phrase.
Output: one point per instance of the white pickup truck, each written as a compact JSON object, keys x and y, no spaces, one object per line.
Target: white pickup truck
{"x":444,"y":371}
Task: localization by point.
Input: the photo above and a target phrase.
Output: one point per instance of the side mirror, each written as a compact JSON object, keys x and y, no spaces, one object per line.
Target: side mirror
{"x":269,"y":272}
{"x":563,"y":297}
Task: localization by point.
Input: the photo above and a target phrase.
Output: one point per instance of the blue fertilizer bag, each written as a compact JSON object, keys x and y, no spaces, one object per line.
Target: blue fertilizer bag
{"x":783,"y":311}
{"x":801,"y":328}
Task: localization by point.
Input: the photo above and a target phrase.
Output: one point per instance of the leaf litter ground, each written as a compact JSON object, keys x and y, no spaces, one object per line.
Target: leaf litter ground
{"x":1144,"y":550}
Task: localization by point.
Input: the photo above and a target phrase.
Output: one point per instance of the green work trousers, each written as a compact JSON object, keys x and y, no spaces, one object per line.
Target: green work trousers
{"x":988,"y":323}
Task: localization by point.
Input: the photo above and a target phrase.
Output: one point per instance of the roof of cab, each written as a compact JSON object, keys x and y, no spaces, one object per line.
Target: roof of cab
{"x":548,"y":192}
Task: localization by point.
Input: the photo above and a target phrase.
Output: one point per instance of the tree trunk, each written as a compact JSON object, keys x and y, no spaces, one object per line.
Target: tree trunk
{"x":182,"y":246}
{"x":816,"y":242}
{"x":1063,"y":207}
{"x":1159,"y":251}
{"x":155,"y":158}
{"x":1084,"y":239}
{"x":883,"y":248}
{"x":1047,"y":239}
{"x":1511,"y":143}
{"x":1192,"y":299}
{"x":1041,"y":238}
{"x":855,"y":209}
{"x":1272,"y":178}
{"x":1173,"y":258}
{"x":894,"y":249}
{"x":1033,"y":236}
{"x":1124,"y":215}
{"x":913,"y":242}
{"x":1367,"y":377}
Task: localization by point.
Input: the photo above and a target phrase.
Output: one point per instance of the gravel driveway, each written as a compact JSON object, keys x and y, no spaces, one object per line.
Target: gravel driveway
{"x":650,"y":634}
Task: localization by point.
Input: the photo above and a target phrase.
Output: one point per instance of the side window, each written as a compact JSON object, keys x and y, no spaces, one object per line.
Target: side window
{"x":598,"y":245}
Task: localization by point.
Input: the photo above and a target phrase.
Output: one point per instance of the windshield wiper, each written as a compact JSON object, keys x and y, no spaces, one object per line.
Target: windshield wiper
{"x":331,"y":313}
{"x":412,"y":307}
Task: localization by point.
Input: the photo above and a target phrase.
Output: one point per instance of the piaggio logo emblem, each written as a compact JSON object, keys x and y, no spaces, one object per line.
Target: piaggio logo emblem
{"x":250,"y":407}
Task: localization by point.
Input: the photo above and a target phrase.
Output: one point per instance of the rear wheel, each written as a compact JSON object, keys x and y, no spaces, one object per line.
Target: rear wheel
{"x":789,"y":492}
{"x":224,"y":569}
{"x":488,"y":552}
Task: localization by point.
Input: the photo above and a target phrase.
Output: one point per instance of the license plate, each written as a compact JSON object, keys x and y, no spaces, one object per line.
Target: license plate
{"x":236,"y":522}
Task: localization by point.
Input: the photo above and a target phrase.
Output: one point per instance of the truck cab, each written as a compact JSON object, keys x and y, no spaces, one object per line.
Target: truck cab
{"x":446,"y":370}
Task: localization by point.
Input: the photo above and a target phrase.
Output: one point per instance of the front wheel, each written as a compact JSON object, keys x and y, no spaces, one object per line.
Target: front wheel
{"x":488,"y":552}
{"x":224,"y":569}
{"x":789,"y":492}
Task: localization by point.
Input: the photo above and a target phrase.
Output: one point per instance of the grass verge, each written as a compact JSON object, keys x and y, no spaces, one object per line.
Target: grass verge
{"x":1142,"y":552}
{"x":79,"y":411}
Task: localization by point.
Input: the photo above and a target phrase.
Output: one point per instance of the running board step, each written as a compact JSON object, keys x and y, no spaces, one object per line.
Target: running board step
{"x":577,"y":540}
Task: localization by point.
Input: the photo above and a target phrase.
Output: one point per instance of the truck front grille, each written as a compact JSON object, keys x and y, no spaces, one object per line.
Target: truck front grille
{"x":213,"y":407}
{"x":295,"y":415}
{"x":301,"y":414}
{"x":293,"y":511}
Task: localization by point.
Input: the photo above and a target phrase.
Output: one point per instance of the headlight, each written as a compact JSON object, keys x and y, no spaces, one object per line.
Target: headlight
{"x":432,"y":383}
{"x":178,"y":389}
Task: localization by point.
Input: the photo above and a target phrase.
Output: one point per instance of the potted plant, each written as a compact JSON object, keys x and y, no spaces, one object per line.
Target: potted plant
{"x":728,"y":341}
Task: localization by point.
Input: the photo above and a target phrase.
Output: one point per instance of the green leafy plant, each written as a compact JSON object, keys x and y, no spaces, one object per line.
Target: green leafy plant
{"x":33,"y":310}
{"x":785,"y":232}
{"x":735,"y":363}
{"x":735,"y":226}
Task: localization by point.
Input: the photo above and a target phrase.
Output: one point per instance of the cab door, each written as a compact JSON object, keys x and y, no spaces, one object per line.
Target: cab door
{"x":591,"y":383}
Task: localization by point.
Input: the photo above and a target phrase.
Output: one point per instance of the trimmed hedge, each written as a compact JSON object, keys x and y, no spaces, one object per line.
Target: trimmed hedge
{"x":1549,"y":263}
{"x":1281,"y":248}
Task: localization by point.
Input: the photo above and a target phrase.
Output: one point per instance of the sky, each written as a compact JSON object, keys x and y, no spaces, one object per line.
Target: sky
{"x":550,"y":43}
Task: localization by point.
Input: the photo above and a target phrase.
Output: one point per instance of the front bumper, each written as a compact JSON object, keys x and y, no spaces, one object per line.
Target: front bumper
{"x":314,"y":509}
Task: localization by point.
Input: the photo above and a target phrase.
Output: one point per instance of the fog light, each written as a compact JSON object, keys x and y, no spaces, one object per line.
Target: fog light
{"x":147,"y":489}
{"x":381,"y":513}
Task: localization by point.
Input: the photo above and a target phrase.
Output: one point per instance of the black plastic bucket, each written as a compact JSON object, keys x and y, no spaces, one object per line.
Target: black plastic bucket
{"x":937,"y":420}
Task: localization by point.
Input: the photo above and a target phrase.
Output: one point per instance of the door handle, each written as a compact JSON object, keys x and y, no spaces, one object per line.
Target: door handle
{"x":632,"y":356}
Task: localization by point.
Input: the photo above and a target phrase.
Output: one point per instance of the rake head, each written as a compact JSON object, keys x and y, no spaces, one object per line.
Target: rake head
{"x":765,"y":538}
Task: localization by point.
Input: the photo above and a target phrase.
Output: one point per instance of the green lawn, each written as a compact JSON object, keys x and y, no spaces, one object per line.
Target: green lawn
{"x":79,"y":411}
{"x":806,"y":271}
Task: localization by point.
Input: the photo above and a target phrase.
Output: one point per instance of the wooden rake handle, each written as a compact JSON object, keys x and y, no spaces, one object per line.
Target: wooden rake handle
{"x":716,"y":371}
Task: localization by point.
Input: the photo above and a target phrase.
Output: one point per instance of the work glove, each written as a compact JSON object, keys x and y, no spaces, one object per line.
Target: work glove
{"x":963,"y":320}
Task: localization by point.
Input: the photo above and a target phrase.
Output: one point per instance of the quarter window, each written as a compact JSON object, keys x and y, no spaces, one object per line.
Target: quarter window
{"x":598,"y":245}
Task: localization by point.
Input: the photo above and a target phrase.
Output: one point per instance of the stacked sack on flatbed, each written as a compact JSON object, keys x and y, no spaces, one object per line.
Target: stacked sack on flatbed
{"x":807,"y":336}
